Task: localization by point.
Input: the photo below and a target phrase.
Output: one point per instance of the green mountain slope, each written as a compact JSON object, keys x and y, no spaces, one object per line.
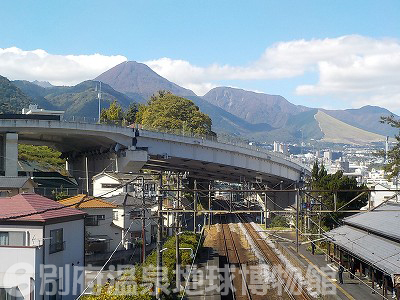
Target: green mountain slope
{"x":79,"y":100}
{"x":12,"y":99}
{"x":336,"y":131}
{"x":366,"y":118}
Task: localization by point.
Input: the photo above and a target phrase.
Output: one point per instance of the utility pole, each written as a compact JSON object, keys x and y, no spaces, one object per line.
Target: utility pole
{"x":87,"y":174}
{"x":177,"y":232}
{"x":297,"y":218}
{"x":99,"y":97}
{"x":266,"y":210}
{"x":143,"y":223}
{"x":209,"y":205}
{"x":195,"y":206}
{"x":159,"y":237}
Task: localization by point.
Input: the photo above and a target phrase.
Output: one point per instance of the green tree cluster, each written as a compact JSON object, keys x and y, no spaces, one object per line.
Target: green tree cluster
{"x":166,"y":111}
{"x":133,"y":279}
{"x":392,"y":166}
{"x":322,"y":181}
{"x":42,"y":155}
{"x":117,"y":116}
{"x":279,"y":221}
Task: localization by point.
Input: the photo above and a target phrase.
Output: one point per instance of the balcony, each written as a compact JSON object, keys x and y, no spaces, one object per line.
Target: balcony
{"x":56,"y":247}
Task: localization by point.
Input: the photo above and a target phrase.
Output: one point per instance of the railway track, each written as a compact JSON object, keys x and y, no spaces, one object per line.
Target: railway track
{"x":237,"y":277}
{"x":293,"y":289}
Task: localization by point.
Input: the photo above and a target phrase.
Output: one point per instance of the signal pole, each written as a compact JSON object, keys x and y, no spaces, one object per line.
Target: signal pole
{"x":177,"y":232}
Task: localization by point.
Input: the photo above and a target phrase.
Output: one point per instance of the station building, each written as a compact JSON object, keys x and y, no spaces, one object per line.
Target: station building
{"x":368,"y":246}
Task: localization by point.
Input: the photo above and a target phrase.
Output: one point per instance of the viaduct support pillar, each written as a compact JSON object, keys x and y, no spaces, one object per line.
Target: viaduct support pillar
{"x":10,"y":153}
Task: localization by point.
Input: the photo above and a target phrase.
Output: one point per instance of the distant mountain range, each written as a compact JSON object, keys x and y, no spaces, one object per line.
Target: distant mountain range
{"x":254,"y":116}
{"x":79,"y":100}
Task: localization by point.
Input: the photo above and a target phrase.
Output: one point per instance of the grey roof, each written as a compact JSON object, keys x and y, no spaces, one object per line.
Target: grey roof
{"x":384,"y":220}
{"x":125,"y":199}
{"x":382,"y":253}
{"x":12,"y":182}
{"x":123,"y":177}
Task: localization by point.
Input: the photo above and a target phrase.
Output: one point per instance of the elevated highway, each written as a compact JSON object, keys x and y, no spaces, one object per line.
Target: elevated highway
{"x":92,"y":148}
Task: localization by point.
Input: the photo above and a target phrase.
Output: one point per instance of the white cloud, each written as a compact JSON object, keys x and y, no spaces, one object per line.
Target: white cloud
{"x":57,"y":69}
{"x":356,"y":69}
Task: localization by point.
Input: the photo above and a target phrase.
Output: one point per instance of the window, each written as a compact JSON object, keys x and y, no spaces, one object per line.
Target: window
{"x":135,"y":214}
{"x":101,"y":217}
{"x":56,"y":240}
{"x":109,"y":185}
{"x":115,"y":215}
{"x":4,"y":239}
{"x":13,"y":238}
{"x":91,"y":221}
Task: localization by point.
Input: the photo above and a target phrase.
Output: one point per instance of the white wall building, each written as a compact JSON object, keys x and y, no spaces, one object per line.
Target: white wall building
{"x":34,"y":110}
{"x":128,"y":212}
{"x":108,"y":184}
{"x":45,"y":240}
{"x":382,"y":194}
{"x":102,"y":236}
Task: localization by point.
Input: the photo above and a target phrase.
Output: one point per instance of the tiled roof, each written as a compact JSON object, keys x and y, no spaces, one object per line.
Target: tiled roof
{"x":33,"y":207}
{"x":83,"y":201}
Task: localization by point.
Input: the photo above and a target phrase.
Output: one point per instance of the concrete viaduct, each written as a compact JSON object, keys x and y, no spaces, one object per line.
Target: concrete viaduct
{"x":92,"y":148}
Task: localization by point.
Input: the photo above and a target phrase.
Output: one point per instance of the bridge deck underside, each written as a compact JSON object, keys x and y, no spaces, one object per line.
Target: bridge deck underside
{"x":211,"y":171}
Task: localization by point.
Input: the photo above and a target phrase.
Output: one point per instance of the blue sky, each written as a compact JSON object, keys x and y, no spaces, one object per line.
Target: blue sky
{"x":202,"y":44}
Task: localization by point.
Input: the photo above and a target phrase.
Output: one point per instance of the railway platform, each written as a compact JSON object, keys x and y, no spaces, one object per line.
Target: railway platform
{"x":203,"y":288}
{"x":350,"y":289}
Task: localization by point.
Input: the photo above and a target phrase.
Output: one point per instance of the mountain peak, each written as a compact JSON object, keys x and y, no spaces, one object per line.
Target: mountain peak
{"x":43,"y":84}
{"x":254,"y":107}
{"x":134,"y":79}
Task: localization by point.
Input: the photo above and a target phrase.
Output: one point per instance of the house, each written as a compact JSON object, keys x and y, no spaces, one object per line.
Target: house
{"x":11,"y":186}
{"x":51,"y":183}
{"x":101,"y":234}
{"x":128,"y":214}
{"x":107,"y":184}
{"x":41,"y":248}
{"x":381,"y":193}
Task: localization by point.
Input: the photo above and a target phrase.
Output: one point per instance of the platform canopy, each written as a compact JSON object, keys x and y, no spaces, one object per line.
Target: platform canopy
{"x":377,"y":251}
{"x":372,"y":237}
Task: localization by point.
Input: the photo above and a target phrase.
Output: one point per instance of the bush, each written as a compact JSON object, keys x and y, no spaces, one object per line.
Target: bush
{"x":279,"y":221}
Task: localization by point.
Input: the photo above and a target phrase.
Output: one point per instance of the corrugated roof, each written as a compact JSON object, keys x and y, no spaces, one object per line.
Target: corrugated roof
{"x":377,"y":251}
{"x":41,"y":208}
{"x":384,"y":220}
{"x":12,"y":182}
{"x":84,"y":201}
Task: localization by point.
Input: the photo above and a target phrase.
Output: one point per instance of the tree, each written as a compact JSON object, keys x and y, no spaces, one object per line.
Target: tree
{"x":392,"y":167}
{"x":42,"y":155}
{"x":130,"y":114}
{"x":168,"y":111}
{"x":321,"y":180}
{"x":114,"y":114}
